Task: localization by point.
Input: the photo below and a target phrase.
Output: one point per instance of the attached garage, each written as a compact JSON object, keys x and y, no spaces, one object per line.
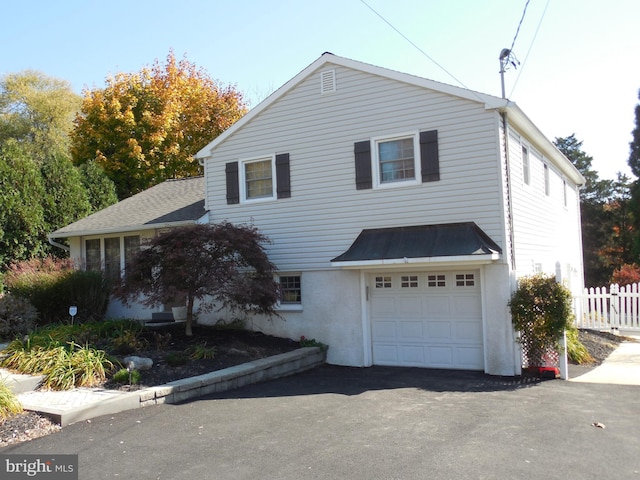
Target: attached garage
{"x":427,"y":319}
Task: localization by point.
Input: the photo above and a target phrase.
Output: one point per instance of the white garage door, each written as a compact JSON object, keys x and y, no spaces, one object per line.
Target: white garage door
{"x":431,"y":319}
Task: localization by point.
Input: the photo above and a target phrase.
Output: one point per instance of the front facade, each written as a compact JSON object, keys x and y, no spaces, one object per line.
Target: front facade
{"x":400,"y":211}
{"x":346,"y":148}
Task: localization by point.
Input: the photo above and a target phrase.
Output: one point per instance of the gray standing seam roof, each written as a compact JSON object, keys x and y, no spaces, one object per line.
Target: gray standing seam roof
{"x":172,"y":201}
{"x":423,"y":241}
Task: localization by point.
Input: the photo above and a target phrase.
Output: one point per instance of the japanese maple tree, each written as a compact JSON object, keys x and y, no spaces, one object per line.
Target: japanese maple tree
{"x":221,"y":265}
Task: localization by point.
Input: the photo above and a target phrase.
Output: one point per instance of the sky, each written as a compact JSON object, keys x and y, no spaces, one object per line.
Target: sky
{"x":578,"y":72}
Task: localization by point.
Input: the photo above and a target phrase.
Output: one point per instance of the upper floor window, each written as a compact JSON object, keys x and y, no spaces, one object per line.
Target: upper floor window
{"x":396,"y":160}
{"x":547,"y":187}
{"x":258,"y":178}
{"x":408,"y":159}
{"x":264,"y":178}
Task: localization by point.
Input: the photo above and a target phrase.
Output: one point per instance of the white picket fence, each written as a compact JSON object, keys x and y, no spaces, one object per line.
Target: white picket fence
{"x":616,"y":309}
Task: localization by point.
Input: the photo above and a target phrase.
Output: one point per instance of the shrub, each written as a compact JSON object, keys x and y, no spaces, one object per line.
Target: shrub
{"x":36,"y":281}
{"x":626,"y":274}
{"x":201,"y":352}
{"x":177,"y":359}
{"x":52,"y":285}
{"x":89,"y":291}
{"x":576,"y":351}
{"x":541,"y":312}
{"x":9,"y":403}
{"x":17,"y":316}
{"x":124,"y":376}
{"x":64,"y":365}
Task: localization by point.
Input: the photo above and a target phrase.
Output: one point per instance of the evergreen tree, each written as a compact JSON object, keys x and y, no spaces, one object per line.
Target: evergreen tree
{"x":65,"y":199}
{"x":101,"y":191}
{"x":22,"y":224}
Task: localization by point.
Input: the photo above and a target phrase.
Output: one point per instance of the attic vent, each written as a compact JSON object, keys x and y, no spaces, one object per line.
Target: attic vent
{"x":327,"y":81}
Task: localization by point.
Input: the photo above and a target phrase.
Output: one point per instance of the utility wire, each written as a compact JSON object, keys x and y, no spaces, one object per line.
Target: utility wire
{"x":530,"y":46}
{"x":414,"y":45}
{"x":524,"y":12}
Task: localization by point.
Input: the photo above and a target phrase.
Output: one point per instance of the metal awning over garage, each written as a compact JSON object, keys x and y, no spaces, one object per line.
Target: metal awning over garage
{"x":459,"y":242}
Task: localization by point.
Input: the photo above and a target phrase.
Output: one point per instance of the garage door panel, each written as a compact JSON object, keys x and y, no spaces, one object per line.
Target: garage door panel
{"x":441,"y":356}
{"x":466,"y":305}
{"x":434,"y":322}
{"x":411,"y":330}
{"x":468,"y":332}
{"x":439,"y":331}
{"x":383,"y":305}
{"x":409,"y":306}
{"x":386,"y":354}
{"x":413,"y":355}
{"x":437,"y":305}
{"x":469,"y":357}
{"x":385,"y":330}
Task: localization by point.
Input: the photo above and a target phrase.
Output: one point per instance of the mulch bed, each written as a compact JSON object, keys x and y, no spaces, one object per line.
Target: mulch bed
{"x":165,"y":345}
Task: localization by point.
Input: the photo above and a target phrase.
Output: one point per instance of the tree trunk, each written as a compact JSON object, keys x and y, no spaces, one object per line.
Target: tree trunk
{"x":188,"y":331}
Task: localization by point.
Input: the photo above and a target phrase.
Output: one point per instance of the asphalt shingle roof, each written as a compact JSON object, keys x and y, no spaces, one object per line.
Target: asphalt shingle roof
{"x":172,"y":202}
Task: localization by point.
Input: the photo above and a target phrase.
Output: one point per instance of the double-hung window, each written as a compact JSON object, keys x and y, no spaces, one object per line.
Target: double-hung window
{"x":258,"y":178}
{"x":291,"y":289}
{"x":396,"y":160}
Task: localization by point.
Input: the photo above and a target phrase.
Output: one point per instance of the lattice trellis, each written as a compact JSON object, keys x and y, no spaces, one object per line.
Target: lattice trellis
{"x":534,"y":355}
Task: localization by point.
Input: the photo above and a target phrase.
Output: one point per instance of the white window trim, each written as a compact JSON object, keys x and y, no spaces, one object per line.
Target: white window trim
{"x":242,"y":179}
{"x":291,"y":307}
{"x":375,"y":160}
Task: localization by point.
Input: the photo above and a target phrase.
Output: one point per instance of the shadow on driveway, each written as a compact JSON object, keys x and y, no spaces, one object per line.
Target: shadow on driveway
{"x":355,"y":381}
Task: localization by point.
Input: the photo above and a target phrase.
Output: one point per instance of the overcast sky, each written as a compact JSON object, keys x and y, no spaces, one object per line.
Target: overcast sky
{"x":579,"y":60}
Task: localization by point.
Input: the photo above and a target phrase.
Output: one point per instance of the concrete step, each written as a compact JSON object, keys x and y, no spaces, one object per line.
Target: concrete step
{"x":19,"y":383}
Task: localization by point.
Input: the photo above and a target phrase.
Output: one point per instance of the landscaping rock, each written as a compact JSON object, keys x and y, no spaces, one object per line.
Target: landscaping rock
{"x":138,"y":363}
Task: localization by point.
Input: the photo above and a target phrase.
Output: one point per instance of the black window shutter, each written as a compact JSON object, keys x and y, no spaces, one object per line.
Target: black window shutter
{"x":362,"y":151}
{"x":429,"y":158}
{"x":283,"y":176}
{"x":233,"y":188}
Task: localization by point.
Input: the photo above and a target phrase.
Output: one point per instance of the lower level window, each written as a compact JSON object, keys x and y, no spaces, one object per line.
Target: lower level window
{"x":291,"y":289}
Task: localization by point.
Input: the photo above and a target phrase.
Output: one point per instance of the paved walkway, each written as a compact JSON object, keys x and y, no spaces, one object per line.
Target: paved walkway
{"x":622,"y":367}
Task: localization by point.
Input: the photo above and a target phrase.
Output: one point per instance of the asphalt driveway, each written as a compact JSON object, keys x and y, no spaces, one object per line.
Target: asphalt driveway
{"x":374,"y":423}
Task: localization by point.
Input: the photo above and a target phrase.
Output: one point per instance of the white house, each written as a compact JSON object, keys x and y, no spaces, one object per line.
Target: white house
{"x":401,"y":213}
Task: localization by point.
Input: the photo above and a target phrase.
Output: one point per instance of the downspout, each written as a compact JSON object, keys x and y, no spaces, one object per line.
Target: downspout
{"x":59,"y":245}
{"x":505,"y":126}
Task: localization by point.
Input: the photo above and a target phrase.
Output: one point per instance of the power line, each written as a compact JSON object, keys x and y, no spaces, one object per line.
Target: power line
{"x":413,"y":44}
{"x":524,"y":12}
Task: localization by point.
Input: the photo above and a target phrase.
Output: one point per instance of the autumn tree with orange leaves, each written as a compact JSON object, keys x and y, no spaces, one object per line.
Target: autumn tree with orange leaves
{"x":144,"y":128}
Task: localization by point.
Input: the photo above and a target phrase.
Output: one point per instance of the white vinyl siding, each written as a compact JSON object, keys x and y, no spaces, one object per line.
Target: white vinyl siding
{"x":325,"y":212}
{"x":546,"y":217}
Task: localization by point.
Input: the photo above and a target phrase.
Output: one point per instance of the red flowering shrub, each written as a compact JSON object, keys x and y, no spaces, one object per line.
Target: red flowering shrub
{"x":626,"y":274}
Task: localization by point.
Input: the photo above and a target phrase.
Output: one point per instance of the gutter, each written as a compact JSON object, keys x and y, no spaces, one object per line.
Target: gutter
{"x":59,"y":245}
